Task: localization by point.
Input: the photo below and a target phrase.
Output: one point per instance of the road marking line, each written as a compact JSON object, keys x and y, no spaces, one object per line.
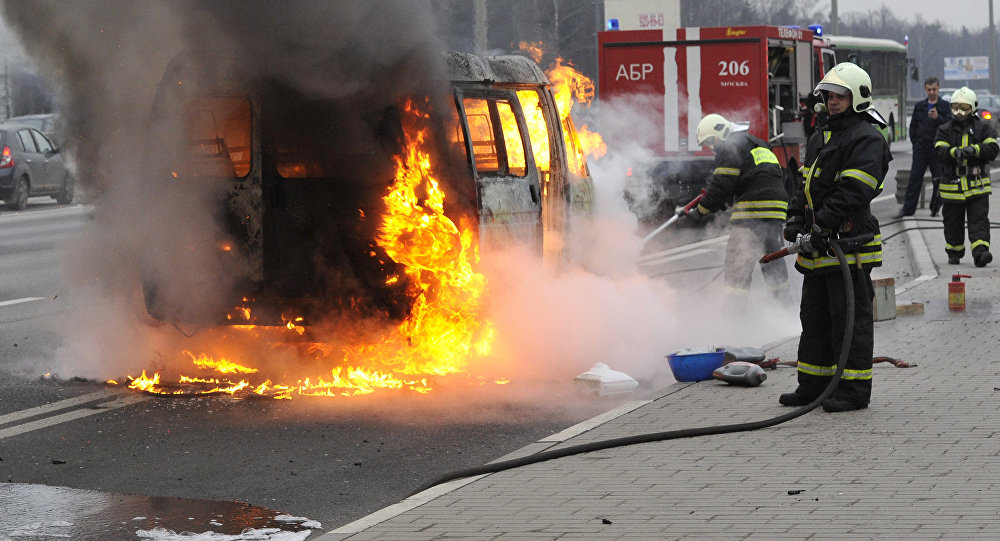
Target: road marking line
{"x":56,"y":406}
{"x":71,"y":415}
{"x":21,"y":301}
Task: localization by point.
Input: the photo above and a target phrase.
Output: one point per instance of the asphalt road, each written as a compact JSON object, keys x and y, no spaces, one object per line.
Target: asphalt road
{"x":330,"y":460}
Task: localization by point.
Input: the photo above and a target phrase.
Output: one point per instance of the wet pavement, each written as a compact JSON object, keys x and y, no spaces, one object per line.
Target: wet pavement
{"x":29,"y":512}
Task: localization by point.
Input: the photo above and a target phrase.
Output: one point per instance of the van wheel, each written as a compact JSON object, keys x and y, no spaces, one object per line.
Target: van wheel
{"x":67,"y":191}
{"x":18,"y":199}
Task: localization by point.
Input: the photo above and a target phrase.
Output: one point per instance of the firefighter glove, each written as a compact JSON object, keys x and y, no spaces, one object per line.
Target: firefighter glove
{"x":968,"y":152}
{"x":819,"y":238}
{"x":693,"y":215}
{"x":793,"y":227}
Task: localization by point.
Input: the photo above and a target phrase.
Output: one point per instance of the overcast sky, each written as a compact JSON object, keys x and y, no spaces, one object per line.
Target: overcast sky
{"x":973,"y":14}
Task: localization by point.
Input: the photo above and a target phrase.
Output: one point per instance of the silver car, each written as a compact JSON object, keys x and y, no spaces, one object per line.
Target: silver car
{"x":30,"y":165}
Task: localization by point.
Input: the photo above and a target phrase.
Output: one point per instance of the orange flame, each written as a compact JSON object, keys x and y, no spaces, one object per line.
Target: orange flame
{"x":443,"y":332}
{"x":569,"y":86}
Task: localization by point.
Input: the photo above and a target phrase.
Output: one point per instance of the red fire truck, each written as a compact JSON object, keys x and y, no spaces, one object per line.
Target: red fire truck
{"x":761,"y":75}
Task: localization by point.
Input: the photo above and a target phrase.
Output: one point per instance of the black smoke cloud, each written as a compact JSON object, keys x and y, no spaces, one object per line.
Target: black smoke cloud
{"x":106,"y":60}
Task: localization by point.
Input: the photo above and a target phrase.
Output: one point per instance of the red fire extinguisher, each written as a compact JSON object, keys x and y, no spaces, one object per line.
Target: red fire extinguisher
{"x":956,"y":292}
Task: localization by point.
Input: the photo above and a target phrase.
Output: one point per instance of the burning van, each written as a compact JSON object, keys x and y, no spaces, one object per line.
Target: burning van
{"x":289,"y":195}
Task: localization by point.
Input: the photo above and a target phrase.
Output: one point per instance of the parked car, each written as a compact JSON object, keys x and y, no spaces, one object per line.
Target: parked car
{"x":30,"y":165}
{"x":45,"y":123}
{"x":989,"y":109}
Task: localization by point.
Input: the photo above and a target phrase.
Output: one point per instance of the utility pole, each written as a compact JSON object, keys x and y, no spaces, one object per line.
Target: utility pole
{"x":993,"y":52}
{"x":834,"y":21}
{"x":480,"y":41}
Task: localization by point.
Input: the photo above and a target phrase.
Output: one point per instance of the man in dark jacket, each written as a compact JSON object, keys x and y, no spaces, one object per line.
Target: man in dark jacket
{"x":846,"y":162}
{"x":747,"y":176}
{"x":928,"y":116}
{"x":966,"y":146}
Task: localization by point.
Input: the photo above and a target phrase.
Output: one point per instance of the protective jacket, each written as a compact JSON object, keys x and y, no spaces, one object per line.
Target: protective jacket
{"x":846,"y":162}
{"x":965,"y":178}
{"x":922,"y":127}
{"x":747,"y":173}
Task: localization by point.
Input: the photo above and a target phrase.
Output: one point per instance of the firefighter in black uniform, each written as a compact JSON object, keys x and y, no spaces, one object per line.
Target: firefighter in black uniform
{"x":747,"y":176}
{"x":966,"y":146}
{"x":846,"y":162}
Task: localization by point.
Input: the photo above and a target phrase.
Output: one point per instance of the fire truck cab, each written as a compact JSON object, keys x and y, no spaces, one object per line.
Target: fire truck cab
{"x":760,"y":75}
{"x":296,"y":181}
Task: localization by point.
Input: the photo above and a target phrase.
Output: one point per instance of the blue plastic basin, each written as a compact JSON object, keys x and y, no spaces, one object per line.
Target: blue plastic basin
{"x":695,"y":366}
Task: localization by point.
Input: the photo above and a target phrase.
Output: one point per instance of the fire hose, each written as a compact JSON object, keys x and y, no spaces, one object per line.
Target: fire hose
{"x":675,"y":217}
{"x":543,"y":456}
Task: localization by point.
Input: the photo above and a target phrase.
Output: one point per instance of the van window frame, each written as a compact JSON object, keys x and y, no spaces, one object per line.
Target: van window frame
{"x":503,"y":156}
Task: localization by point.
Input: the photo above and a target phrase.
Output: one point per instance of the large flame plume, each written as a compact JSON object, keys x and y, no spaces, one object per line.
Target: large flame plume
{"x":569,"y":87}
{"x":442,"y":334}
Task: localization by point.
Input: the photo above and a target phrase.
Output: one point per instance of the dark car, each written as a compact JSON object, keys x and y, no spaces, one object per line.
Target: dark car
{"x":30,"y":165}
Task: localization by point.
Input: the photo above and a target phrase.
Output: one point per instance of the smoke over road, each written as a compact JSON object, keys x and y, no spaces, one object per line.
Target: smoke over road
{"x":107,"y":60}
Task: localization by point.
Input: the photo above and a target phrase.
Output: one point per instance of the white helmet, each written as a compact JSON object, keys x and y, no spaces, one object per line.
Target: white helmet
{"x":965,"y":95}
{"x":848,"y":78}
{"x":716,"y":126}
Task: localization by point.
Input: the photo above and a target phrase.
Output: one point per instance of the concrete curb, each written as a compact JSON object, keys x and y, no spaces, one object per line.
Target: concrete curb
{"x":920,"y":257}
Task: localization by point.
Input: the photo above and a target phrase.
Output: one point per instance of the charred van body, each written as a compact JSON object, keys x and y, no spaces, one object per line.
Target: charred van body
{"x":291,"y":187}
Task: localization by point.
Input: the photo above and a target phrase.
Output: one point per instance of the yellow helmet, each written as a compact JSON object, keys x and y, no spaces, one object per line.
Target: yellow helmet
{"x":848,"y":78}
{"x":965,"y":95}
{"x":716,"y":126}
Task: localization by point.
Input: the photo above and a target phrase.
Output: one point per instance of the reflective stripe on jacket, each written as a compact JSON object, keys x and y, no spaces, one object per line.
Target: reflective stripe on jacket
{"x":747,"y":177}
{"x":846,"y":162}
{"x":965,"y":178}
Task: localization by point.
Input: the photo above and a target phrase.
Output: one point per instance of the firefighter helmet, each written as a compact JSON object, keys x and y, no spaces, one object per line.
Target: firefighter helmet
{"x":713,"y":126}
{"x":848,"y":78}
{"x":964,"y":95}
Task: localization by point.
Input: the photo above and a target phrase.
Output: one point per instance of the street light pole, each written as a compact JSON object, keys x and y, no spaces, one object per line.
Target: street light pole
{"x":480,"y":39}
{"x":993,"y":52}
{"x":835,"y":23}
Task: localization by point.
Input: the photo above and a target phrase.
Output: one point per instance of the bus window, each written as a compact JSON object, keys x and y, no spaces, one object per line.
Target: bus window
{"x":219,"y":137}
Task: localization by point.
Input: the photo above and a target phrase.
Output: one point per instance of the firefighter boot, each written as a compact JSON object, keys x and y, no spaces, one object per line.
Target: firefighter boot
{"x":837,"y":404}
{"x":983,"y":258}
{"x":795,"y":399}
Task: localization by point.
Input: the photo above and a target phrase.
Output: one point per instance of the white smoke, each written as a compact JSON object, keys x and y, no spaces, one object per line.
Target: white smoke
{"x":601,"y":307}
